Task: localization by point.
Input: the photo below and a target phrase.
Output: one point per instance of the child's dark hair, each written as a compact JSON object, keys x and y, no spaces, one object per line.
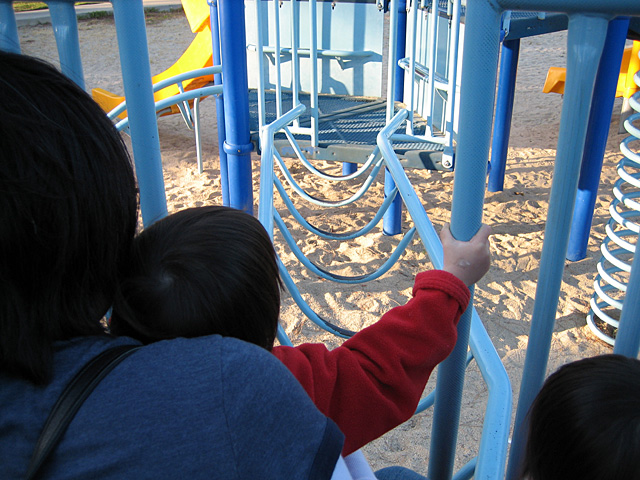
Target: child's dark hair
{"x":201,"y":271}
{"x":585,"y":422}
{"x":68,"y":210}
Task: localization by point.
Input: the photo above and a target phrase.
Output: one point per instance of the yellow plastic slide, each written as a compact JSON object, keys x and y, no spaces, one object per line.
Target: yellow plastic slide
{"x":197,"y":55}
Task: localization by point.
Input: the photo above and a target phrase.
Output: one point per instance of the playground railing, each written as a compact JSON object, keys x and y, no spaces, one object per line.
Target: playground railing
{"x":493,"y":447}
{"x":428,"y":91}
{"x":182,"y":100}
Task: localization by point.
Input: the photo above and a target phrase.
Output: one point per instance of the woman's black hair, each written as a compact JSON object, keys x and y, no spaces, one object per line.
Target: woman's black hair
{"x":201,"y":271}
{"x":68,"y":210}
{"x":585,"y":422}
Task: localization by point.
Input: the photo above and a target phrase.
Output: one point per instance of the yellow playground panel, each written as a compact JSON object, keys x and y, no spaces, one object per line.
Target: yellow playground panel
{"x":626,"y":86}
{"x":197,"y":55}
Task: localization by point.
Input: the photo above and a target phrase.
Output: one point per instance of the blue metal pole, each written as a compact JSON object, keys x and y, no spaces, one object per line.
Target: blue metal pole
{"x":597,"y":134}
{"x":217,"y":80}
{"x":392,"y":221}
{"x":628,"y":336}
{"x":398,"y":93}
{"x":480,"y":62}
{"x":348,"y":168}
{"x":504,"y":110}
{"x":65,"y":29}
{"x":138,"y":90}
{"x":584,"y":48}
{"x":9,"y":40}
{"x":235,"y":92}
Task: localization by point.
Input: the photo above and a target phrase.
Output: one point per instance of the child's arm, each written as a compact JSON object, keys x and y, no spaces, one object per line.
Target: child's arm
{"x":373,"y":382}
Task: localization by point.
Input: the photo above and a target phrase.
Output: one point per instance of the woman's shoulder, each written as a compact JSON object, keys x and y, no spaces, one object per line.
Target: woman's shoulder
{"x":204,"y":356}
{"x":198,"y":350}
{"x":196,"y":364}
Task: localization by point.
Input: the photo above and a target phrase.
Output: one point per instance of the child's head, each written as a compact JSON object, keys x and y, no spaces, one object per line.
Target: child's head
{"x":585,"y":422}
{"x":201,"y":271}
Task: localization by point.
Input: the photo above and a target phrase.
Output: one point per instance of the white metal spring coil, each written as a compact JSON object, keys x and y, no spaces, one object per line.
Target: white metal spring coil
{"x":622,"y":230}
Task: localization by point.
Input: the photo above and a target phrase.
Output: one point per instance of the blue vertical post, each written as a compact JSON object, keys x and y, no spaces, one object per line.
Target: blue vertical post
{"x":348,"y":168}
{"x":628,"y":336}
{"x":398,"y":93}
{"x":9,"y":40}
{"x":392,"y":221}
{"x":235,"y":92}
{"x":584,"y":48}
{"x":65,"y":30}
{"x":504,"y":110}
{"x":138,"y":89}
{"x":480,"y":62}
{"x":217,"y":80}
{"x":597,"y":134}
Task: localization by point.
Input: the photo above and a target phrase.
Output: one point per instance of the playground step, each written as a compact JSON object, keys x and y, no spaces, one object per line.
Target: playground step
{"x":348,"y":127}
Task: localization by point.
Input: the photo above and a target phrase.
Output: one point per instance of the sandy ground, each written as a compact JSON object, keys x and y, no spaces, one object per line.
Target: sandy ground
{"x":504,"y":298}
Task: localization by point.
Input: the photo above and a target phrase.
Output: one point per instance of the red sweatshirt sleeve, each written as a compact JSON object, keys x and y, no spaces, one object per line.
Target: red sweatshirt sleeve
{"x":373,"y":382}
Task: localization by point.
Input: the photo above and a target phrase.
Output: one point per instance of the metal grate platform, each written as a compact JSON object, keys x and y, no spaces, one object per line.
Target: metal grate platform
{"x":347,"y":130}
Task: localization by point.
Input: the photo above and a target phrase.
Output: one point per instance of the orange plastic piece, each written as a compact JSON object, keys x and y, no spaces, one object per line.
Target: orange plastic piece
{"x":555,"y":80}
{"x":630,"y":65}
{"x":626,"y":87}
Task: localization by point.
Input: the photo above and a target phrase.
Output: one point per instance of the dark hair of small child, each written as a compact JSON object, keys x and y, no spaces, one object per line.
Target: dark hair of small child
{"x":585,"y":422}
{"x":200,"y":271}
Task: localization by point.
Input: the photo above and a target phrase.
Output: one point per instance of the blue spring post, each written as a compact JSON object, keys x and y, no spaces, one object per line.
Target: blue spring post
{"x":9,"y":40}
{"x":138,"y":89}
{"x":597,"y":134}
{"x":479,"y":68}
{"x":585,"y":42}
{"x":217,"y":80}
{"x":65,"y":30}
{"x":504,"y":110}
{"x":235,"y":93}
{"x":628,"y":336}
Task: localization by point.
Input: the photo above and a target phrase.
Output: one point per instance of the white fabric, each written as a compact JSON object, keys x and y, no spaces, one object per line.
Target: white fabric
{"x":353,"y":467}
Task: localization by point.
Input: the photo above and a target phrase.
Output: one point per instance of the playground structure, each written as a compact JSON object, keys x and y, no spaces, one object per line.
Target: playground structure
{"x":483,"y":24}
{"x":188,"y":74}
{"x":618,"y":247}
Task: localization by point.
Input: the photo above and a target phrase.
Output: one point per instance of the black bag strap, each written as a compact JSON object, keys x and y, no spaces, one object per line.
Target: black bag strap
{"x":70,"y":400}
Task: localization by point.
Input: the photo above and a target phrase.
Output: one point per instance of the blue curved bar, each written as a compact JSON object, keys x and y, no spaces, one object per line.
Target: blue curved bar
{"x":328,"y":235}
{"x":384,"y":268}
